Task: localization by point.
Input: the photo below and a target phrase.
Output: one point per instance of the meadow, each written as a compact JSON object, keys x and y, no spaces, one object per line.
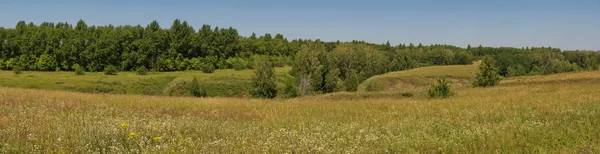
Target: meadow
{"x":557,"y":113}
{"x":223,"y":82}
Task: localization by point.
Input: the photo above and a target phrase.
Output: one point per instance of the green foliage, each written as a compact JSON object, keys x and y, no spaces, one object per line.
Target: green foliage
{"x":237,"y":63}
{"x":290,"y":88}
{"x":535,"y":70}
{"x":17,"y":70}
{"x":463,"y":58}
{"x":351,"y":83}
{"x":110,"y":70}
{"x":206,"y":67}
{"x":552,"y":66}
{"x":45,"y":62}
{"x":516,"y":70}
{"x":440,"y":90}
{"x":142,"y":70}
{"x":487,"y":75}
{"x":263,"y":82}
{"x":78,"y":69}
{"x":308,"y":67}
{"x":440,"y":56}
{"x":406,"y":94}
{"x":330,"y":83}
{"x":196,"y":89}
{"x":591,"y":63}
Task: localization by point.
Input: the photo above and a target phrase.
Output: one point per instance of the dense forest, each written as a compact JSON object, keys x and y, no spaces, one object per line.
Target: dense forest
{"x":316,"y":65}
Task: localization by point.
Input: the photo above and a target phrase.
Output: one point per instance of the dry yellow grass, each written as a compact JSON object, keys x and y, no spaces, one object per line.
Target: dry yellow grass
{"x":537,"y":114}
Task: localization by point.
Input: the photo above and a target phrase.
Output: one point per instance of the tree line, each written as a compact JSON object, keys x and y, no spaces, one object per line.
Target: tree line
{"x":50,"y":47}
{"x":317,"y":66}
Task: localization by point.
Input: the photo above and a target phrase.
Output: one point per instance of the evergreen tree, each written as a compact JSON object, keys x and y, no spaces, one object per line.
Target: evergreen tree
{"x":488,"y":74}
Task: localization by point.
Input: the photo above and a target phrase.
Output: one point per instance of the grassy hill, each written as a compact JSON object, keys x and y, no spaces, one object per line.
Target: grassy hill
{"x":419,"y":79}
{"x":224,"y":83}
{"x":535,"y":114}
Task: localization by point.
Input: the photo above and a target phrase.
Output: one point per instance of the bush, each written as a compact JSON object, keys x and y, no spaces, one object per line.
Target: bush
{"x":463,"y":58}
{"x":237,"y":63}
{"x":263,"y":82}
{"x":517,"y":70}
{"x":2,"y":66}
{"x":110,"y":70}
{"x":196,"y":90}
{"x":591,"y":63}
{"x":488,"y":74}
{"x":440,"y":90}
{"x":17,"y":70}
{"x":290,"y":89}
{"x":207,"y":67}
{"x":141,"y":70}
{"x":78,"y":69}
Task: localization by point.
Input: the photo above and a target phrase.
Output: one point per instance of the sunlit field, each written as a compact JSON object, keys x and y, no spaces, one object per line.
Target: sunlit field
{"x":534,"y":114}
{"x":224,"y":82}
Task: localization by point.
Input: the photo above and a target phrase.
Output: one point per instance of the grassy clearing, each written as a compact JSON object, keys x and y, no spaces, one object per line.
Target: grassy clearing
{"x":419,"y":79}
{"x":535,"y":114}
{"x":227,"y":82}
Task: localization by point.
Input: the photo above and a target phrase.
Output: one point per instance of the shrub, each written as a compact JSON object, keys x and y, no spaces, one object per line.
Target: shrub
{"x":2,"y":66}
{"x":263,"y":82}
{"x":488,"y":74}
{"x":17,"y":70}
{"x":463,"y":58}
{"x":440,"y":90}
{"x":141,"y":70}
{"x":78,"y":69}
{"x":406,"y":94}
{"x":196,"y":90}
{"x":535,"y":70}
{"x":517,"y":70}
{"x":237,"y":63}
{"x":110,"y":70}
{"x":591,"y":63}
{"x":290,"y":89}
{"x":207,"y":67}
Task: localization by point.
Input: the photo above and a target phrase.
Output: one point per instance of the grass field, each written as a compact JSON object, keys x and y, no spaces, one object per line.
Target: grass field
{"x":419,"y":79}
{"x":536,"y":114}
{"x":225,"y":82}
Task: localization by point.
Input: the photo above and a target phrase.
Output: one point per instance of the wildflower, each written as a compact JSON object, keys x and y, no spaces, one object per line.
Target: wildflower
{"x":157,"y":138}
{"x":132,"y":135}
{"x":125,"y":124}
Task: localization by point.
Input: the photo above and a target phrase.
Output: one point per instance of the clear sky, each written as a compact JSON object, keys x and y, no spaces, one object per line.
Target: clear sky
{"x":567,"y":24}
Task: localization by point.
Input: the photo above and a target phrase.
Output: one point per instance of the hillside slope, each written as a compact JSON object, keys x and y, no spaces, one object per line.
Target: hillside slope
{"x":221,"y":83}
{"x":419,"y":79}
{"x":536,"y":114}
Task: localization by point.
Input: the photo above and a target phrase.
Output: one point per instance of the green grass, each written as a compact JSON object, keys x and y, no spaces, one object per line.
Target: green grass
{"x":223,"y":83}
{"x":419,"y":79}
{"x":534,"y":114}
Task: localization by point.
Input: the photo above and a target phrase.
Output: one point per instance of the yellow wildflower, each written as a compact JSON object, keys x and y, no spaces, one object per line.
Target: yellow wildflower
{"x":133,"y":135}
{"x":125,"y":124}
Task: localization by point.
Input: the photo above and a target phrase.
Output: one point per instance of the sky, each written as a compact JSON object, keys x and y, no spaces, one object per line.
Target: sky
{"x":566,"y":24}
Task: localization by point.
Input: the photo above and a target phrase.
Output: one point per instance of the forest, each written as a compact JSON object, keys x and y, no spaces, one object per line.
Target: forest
{"x":317,"y":66}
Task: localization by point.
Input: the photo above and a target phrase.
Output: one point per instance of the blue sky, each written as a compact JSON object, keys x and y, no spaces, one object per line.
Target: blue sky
{"x":573,"y":24}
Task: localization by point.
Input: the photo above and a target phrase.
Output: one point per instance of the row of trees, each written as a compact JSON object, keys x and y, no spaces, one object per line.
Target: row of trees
{"x":318,"y":67}
{"x":60,"y":46}
{"x":49,"y":47}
